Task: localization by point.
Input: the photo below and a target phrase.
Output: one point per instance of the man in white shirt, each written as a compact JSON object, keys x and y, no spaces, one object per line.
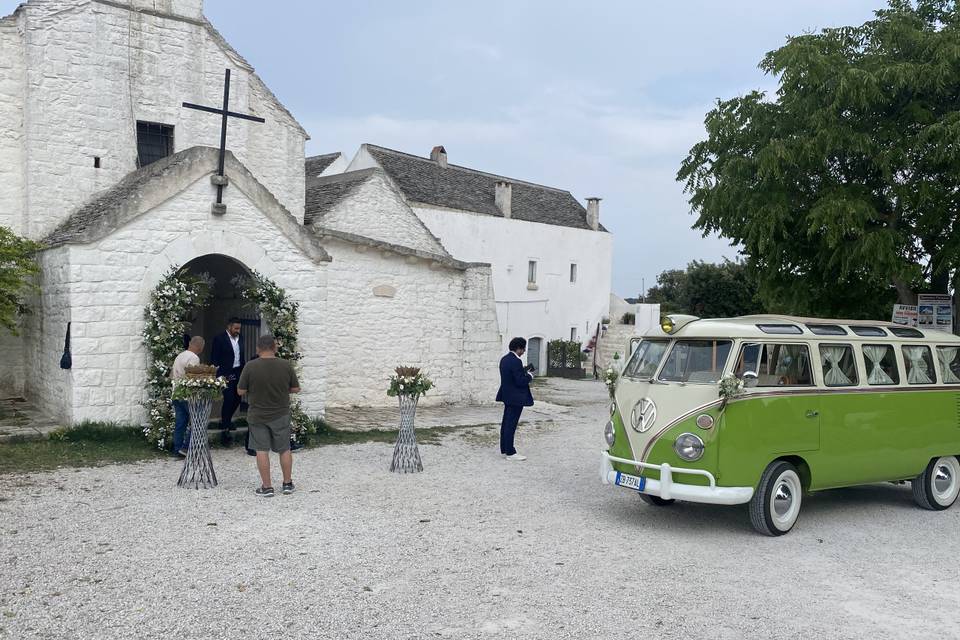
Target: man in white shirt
{"x":188,"y":358}
{"x":227,"y":354}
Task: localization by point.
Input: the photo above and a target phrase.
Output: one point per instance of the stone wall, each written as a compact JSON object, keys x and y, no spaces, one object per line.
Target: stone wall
{"x":386,"y":310}
{"x":47,"y":385}
{"x":110,"y":282}
{"x":481,"y":339}
{"x":375,"y":209}
{"x":12,"y":372}
{"x":94,"y":68}
{"x":11,"y":124}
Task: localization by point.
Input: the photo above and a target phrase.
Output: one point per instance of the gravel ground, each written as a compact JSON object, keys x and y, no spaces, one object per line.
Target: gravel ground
{"x":474,"y":547}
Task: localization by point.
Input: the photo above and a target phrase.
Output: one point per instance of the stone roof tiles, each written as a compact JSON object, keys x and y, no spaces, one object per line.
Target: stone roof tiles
{"x":315,"y":165}
{"x":454,"y":187}
{"x":322,"y":194}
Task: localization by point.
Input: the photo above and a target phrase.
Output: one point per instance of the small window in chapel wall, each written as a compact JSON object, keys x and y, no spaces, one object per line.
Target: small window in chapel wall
{"x":573,"y":334}
{"x":532,"y":272}
{"x":573,"y":272}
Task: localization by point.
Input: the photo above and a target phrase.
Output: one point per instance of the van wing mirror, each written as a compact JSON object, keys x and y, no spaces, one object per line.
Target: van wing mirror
{"x":750,"y":379}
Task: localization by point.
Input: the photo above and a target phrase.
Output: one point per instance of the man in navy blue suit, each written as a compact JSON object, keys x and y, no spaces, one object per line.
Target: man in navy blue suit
{"x":515,"y":394}
{"x":227,"y":354}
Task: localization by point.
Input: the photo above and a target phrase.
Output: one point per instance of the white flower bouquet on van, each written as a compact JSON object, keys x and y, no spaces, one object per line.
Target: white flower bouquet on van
{"x":610,"y":378}
{"x":730,"y":387}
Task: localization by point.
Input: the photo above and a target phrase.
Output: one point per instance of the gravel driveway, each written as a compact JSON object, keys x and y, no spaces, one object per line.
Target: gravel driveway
{"x":474,"y":547}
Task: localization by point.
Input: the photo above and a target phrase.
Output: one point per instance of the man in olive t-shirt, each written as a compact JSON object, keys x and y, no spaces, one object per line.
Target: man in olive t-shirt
{"x":266,"y":383}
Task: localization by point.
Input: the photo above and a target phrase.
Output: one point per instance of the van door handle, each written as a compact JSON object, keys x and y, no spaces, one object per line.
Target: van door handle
{"x":812,"y":414}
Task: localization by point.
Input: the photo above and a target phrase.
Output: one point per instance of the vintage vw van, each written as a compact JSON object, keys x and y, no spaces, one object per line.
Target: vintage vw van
{"x":762,"y":409}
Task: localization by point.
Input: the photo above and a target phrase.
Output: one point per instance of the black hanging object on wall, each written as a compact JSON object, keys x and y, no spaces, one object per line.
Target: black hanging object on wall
{"x":66,"y":360}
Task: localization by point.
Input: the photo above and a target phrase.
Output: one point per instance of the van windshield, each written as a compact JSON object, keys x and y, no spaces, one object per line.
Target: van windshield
{"x":646,"y":359}
{"x":696,"y":361}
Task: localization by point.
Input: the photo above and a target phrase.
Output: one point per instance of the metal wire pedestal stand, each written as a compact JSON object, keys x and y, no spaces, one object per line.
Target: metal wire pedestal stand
{"x":406,"y":456}
{"x":198,"y":466}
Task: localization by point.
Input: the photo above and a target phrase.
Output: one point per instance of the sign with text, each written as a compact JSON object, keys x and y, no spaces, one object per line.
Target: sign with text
{"x":935,"y":311}
{"x":905,"y":314}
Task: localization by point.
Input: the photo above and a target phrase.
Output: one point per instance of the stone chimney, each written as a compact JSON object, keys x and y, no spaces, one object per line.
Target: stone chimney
{"x":593,"y":213}
{"x":504,"y":198}
{"x":439,"y":155}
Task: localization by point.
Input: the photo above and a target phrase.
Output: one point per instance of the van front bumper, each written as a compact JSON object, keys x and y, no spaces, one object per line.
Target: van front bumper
{"x":667,"y":489}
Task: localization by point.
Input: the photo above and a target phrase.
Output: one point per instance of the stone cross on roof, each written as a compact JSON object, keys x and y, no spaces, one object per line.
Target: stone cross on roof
{"x":221,"y":180}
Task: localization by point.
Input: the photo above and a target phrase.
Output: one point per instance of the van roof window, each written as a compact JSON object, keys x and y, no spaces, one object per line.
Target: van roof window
{"x":827,"y":329}
{"x":780,"y":329}
{"x":870,"y":332}
{"x":905,"y":332}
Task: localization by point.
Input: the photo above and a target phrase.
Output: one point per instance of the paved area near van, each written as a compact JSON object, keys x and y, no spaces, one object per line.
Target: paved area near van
{"x":474,"y":547}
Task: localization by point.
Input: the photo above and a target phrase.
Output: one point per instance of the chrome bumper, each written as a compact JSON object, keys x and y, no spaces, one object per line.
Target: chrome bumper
{"x":667,"y":489}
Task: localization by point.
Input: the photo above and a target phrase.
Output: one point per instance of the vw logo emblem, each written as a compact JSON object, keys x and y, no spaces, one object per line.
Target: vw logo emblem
{"x":643,"y":415}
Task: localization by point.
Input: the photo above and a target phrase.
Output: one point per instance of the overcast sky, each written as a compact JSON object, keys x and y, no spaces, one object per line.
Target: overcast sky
{"x":600,"y":98}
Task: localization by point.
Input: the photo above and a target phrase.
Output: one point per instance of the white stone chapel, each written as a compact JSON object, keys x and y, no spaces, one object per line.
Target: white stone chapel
{"x":100,"y":161}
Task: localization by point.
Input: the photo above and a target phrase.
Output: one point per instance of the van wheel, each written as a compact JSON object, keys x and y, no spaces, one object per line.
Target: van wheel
{"x":939,"y":484}
{"x":656,"y":501}
{"x":775,"y":505}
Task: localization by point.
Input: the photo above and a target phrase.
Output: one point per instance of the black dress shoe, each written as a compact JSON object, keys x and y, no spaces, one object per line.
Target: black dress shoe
{"x":251,"y":452}
{"x":294,"y":445}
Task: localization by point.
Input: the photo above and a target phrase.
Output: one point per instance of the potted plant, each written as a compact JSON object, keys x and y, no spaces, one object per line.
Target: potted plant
{"x":407,"y":385}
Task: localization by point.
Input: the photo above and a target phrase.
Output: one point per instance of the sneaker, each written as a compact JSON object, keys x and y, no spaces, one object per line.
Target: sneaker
{"x":294,"y":445}
{"x":182,"y":453}
{"x":287,"y":488}
{"x":516,"y":457}
{"x":265,"y":492}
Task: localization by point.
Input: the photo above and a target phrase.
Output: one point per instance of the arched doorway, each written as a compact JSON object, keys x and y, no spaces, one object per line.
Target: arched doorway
{"x":226,"y":301}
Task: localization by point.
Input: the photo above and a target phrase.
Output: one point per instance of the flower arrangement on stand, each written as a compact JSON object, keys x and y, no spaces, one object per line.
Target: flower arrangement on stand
{"x":407,"y":384}
{"x":200,"y":387}
{"x":280,"y":314}
{"x":167,"y":317}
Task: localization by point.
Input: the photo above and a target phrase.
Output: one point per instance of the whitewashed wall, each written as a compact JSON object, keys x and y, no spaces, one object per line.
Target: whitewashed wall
{"x":12,"y":371}
{"x":11,"y":124}
{"x":385,"y":310}
{"x":109,"y":283}
{"x":93,"y":69}
{"x":557,"y":305}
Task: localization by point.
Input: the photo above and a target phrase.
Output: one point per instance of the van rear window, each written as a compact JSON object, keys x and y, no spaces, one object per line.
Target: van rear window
{"x":781,"y":329}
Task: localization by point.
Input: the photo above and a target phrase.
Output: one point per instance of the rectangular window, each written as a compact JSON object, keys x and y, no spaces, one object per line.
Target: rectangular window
{"x":532,"y":272}
{"x":949,"y":358}
{"x":918,"y":362}
{"x":839,"y":369}
{"x":573,"y":334}
{"x":573,"y":272}
{"x":154,"y":142}
{"x":880,"y":362}
{"x":776,"y":365}
{"x":696,"y":361}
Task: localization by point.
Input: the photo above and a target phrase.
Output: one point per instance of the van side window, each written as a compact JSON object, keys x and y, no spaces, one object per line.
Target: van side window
{"x":776,"y":365}
{"x":880,"y":361}
{"x":839,"y":368}
{"x":949,"y":364}
{"x":919,"y":364}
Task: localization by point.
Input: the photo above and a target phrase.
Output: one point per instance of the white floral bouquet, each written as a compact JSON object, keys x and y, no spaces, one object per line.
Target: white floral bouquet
{"x":730,"y":387}
{"x":409,"y":381}
{"x":204,"y":387}
{"x":610,"y":378}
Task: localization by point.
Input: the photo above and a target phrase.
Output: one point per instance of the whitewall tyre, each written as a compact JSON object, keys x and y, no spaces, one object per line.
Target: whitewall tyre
{"x":655,"y":501}
{"x":938,"y":486}
{"x":775,"y":505}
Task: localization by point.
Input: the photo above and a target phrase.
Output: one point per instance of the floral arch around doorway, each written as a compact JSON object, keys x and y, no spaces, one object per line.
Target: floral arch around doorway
{"x":174,"y":301}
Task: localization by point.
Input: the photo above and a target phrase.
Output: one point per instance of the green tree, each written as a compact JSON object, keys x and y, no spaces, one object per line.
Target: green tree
{"x":17,"y":269}
{"x":707,"y":290}
{"x":843,"y":190}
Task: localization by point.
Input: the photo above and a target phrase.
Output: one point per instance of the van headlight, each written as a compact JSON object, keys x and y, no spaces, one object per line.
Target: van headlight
{"x":609,"y":433}
{"x":689,"y":447}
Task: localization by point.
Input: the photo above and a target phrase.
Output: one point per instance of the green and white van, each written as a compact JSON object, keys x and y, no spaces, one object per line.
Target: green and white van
{"x":761,"y":409}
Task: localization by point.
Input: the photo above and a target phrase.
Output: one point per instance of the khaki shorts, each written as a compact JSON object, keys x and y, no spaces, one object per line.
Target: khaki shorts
{"x":271,"y":436}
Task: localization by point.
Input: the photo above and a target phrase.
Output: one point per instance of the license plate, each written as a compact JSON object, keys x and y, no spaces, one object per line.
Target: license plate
{"x":630,"y":482}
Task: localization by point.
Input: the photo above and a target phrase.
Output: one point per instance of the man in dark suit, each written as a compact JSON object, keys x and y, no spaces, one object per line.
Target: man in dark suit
{"x":515,"y":394}
{"x":227,"y":356}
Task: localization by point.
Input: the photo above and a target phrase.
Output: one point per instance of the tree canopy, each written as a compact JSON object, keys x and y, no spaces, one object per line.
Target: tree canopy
{"x":706,"y":290}
{"x":17,"y":268}
{"x":843,"y":189}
